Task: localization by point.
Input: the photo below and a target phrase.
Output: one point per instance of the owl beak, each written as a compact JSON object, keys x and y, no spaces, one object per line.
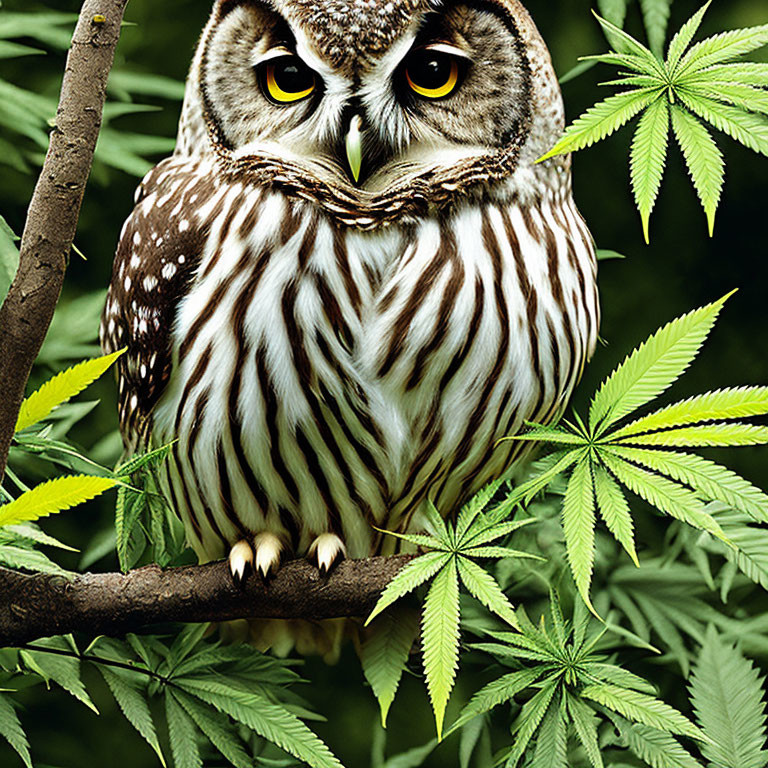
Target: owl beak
{"x":354,"y":146}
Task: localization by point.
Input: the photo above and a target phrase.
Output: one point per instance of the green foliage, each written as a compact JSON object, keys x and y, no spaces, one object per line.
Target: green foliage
{"x":695,"y":84}
{"x":61,"y":388}
{"x":144,"y":522}
{"x":727,"y":694}
{"x":28,"y":115}
{"x":386,"y":651}
{"x":214,"y":695}
{"x":678,"y":484}
{"x":61,"y":493}
{"x":453,"y":549}
{"x":567,"y":687}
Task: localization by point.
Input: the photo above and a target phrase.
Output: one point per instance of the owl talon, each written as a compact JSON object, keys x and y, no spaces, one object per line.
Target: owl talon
{"x":326,"y":550}
{"x":240,"y":560}
{"x":268,"y":549}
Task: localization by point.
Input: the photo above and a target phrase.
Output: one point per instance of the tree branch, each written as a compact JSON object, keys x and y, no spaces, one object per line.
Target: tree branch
{"x":55,"y":206}
{"x":111,"y":603}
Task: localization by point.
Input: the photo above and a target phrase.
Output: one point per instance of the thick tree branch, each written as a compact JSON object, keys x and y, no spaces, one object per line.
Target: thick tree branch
{"x":39,"y":606}
{"x":55,"y":207}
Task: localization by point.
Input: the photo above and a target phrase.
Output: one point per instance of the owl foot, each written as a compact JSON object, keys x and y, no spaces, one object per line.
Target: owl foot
{"x":240,"y":560}
{"x":326,"y":550}
{"x":268,"y":548}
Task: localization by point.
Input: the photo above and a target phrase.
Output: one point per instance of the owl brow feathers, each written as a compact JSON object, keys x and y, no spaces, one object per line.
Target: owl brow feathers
{"x":415,"y":193}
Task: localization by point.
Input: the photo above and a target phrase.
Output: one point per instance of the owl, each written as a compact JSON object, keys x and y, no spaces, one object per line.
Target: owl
{"x":352,"y":278}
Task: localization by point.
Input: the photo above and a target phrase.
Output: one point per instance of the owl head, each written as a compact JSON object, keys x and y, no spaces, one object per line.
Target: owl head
{"x":376,"y":109}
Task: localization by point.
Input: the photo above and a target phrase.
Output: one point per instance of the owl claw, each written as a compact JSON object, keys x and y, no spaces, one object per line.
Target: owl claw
{"x":268,"y":548}
{"x":326,"y":550}
{"x":240,"y":560}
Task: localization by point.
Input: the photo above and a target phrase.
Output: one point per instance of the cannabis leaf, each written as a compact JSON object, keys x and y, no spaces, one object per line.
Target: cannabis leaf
{"x":61,"y":388}
{"x":211,"y":693}
{"x":450,"y":561}
{"x":52,"y":497}
{"x":727,"y":694}
{"x":640,"y":455}
{"x":568,"y":688}
{"x":694,"y":84}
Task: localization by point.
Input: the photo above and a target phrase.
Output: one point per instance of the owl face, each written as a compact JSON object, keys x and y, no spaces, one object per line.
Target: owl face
{"x":363,"y":97}
{"x":452,"y":85}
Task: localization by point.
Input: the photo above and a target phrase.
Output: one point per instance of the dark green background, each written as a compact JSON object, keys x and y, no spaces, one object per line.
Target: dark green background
{"x":681,"y":269}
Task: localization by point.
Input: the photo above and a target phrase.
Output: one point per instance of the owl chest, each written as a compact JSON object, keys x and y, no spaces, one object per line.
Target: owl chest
{"x":381,"y":363}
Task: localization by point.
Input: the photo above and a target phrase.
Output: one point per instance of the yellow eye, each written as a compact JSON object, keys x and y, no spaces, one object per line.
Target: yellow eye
{"x":287,"y":80}
{"x":432,"y":74}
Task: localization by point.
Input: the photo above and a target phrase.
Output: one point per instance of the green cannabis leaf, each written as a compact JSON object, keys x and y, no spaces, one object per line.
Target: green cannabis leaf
{"x":453,"y":549}
{"x":641,"y":455}
{"x":727,"y":694}
{"x":568,"y":687}
{"x":694,"y":84}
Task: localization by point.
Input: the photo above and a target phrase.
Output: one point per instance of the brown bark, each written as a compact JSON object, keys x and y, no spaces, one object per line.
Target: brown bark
{"x":55,"y":206}
{"x":38,"y":606}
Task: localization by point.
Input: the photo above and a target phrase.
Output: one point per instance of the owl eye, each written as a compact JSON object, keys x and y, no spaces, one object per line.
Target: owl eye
{"x":432,"y":74}
{"x":287,"y":80}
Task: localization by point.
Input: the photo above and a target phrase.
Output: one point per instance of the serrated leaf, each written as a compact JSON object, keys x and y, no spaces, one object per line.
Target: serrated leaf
{"x":712,"y":481}
{"x":728,"y":697}
{"x":182,"y":734}
{"x":578,"y":517}
{"x":614,"y":11}
{"x":654,"y":747}
{"x":29,"y":559}
{"x":134,"y":706}
{"x":656,"y":17}
{"x":552,"y":740}
{"x":653,"y":367}
{"x":500,"y":691}
{"x":742,"y":96}
{"x":61,"y":388}
{"x":422,"y":569}
{"x":143,"y":460}
{"x":499,"y":552}
{"x":750,"y":545}
{"x":684,"y":37}
{"x":624,"y":43}
{"x":703,"y":158}
{"x":440,"y":640}
{"x":723,"y":47}
{"x":648,"y":157}
{"x":270,"y":721}
{"x":484,"y":588}
{"x":665,"y":495}
{"x":720,"y":405}
{"x":217,"y":728}
{"x":743,"y":73}
{"x":525,"y":492}
{"x":384,"y":655}
{"x":52,"y":497}
{"x":602,"y":120}
{"x":557,"y":435}
{"x":585,"y":723}
{"x":614,"y":509}
{"x":62,"y":670}
{"x":33,"y":533}
{"x":469,"y":512}
{"x":11,"y":730}
{"x":746,"y":128}
{"x":702,"y":436}
{"x":641,"y":708}
{"x":528,"y":721}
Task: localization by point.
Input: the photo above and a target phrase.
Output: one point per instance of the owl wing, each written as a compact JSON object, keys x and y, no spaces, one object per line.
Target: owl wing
{"x":157,"y":255}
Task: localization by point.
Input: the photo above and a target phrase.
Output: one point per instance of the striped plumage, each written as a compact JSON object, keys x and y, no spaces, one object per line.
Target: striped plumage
{"x":329,"y":355}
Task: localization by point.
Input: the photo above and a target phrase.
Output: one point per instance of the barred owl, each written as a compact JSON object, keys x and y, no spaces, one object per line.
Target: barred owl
{"x":352,"y":277}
